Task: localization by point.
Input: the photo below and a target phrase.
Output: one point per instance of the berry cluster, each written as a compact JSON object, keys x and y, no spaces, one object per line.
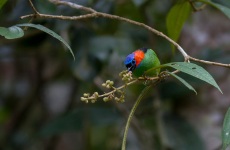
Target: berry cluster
{"x":116,"y":94}
{"x":126,"y":75}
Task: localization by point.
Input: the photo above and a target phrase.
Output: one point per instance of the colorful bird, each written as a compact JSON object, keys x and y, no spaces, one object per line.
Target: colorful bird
{"x":142,"y":60}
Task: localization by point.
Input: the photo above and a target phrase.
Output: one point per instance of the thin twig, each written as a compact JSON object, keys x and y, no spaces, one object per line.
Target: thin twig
{"x":32,"y":6}
{"x":135,"y":124}
{"x":60,"y":17}
{"x":160,"y":77}
{"x":196,"y":8}
{"x":95,"y":14}
{"x":144,"y":91}
{"x":113,"y":91}
{"x":73,"y":5}
{"x":209,"y":62}
{"x":35,"y":12}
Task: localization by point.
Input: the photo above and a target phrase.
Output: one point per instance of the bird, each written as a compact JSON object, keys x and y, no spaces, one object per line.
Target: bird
{"x":142,"y":60}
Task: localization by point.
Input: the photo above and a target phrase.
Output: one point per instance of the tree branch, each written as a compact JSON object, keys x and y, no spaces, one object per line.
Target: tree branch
{"x":209,"y":62}
{"x":94,"y":14}
{"x":32,"y":6}
{"x":73,"y":5}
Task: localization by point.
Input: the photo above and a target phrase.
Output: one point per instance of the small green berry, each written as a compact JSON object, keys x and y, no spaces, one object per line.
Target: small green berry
{"x":122,"y":100}
{"x":86,"y":94}
{"x":105,"y":99}
{"x":83,"y":98}
{"x":96,"y":94}
{"x":117,"y":99}
{"x":111,"y":83}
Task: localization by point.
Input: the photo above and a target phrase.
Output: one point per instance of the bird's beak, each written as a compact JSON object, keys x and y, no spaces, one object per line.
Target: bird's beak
{"x":131,"y":68}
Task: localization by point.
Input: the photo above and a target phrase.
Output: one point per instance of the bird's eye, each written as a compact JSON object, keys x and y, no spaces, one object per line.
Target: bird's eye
{"x":131,"y":65}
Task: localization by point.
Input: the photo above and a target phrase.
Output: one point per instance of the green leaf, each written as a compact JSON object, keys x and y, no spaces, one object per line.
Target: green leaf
{"x":2,"y":3}
{"x":226,"y":130}
{"x":50,"y":32}
{"x":195,"y":71}
{"x":176,"y":18}
{"x":3,"y":31}
{"x":11,"y":32}
{"x":222,"y":8}
{"x":182,"y":81}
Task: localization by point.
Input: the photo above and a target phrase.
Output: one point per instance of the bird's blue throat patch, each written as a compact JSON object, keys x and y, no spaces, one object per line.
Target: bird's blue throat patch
{"x":130,"y":62}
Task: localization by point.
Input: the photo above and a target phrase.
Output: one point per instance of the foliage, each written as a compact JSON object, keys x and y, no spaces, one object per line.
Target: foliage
{"x":226,"y":130}
{"x":222,"y":8}
{"x":182,"y":81}
{"x":11,"y":32}
{"x":16,"y":32}
{"x":195,"y":71}
{"x":2,"y":3}
{"x":176,"y":18}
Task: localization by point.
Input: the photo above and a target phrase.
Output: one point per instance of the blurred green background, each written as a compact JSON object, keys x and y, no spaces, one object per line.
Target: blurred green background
{"x":41,"y":84}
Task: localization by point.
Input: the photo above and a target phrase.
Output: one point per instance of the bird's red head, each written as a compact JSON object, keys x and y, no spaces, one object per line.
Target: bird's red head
{"x":133,"y":60}
{"x":138,"y":56}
